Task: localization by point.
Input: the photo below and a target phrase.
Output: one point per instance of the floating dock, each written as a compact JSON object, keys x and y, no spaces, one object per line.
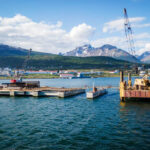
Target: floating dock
{"x":33,"y":88}
{"x":95,"y":93}
{"x":42,"y":91}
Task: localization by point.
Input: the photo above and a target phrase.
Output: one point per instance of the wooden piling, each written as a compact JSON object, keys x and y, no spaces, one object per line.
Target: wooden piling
{"x":121,"y":76}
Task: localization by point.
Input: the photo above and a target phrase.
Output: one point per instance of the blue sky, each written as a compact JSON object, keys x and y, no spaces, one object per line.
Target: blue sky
{"x":61,"y":25}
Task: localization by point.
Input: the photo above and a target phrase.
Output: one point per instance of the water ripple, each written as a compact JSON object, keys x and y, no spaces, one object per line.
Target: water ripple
{"x":74,"y":123}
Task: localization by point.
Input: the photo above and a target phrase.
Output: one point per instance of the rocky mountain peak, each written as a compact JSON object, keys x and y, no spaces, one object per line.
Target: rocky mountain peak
{"x":105,"y":50}
{"x":108,"y":46}
{"x":145,"y":57}
{"x":85,"y":47}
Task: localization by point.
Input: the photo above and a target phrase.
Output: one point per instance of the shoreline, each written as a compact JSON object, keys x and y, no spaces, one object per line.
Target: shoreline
{"x":9,"y":78}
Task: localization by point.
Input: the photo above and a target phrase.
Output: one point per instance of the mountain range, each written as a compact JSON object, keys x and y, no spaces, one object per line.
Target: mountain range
{"x":13,"y":57}
{"x":145,"y":57}
{"x":82,"y":51}
{"x":105,"y":50}
{"x":106,"y":57}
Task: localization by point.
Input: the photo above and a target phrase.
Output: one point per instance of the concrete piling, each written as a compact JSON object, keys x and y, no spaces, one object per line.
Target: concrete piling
{"x":12,"y":93}
{"x":35,"y":93}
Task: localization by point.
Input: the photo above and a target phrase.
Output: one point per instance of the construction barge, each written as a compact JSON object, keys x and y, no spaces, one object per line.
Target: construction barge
{"x":32,"y":88}
{"x":140,"y":90}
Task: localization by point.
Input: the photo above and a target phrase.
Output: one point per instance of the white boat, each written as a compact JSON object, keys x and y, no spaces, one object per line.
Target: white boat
{"x":96,"y":92}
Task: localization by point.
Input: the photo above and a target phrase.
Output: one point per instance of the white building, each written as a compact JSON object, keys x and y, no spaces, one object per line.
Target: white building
{"x":6,"y":72}
{"x":142,"y":73}
{"x":66,"y":76}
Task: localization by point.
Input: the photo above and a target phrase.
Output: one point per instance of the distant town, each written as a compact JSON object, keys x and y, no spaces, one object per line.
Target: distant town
{"x":65,"y":74}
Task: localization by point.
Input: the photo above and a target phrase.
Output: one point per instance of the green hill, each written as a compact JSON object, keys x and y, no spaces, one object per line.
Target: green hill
{"x":63,"y":62}
{"x":6,"y":50}
{"x":14,"y":58}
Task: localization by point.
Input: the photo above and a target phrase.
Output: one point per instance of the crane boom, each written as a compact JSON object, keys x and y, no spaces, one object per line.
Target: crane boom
{"x":26,"y":60}
{"x":129,"y":34}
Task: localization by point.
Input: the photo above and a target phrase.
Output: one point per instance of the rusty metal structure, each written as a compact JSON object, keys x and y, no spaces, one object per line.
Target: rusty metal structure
{"x":140,"y":90}
{"x":22,"y":84}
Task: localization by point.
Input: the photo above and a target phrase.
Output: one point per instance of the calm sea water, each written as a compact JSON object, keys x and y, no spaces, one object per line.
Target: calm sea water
{"x":74,"y":123}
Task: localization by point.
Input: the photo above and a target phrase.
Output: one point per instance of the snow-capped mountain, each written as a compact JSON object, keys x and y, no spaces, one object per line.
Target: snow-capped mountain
{"x":105,"y":50}
{"x":81,"y":51}
{"x":145,"y":57}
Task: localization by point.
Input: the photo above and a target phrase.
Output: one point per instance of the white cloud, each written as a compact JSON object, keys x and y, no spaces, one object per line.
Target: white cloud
{"x":81,"y":31}
{"x":146,"y":47}
{"x":142,"y":36}
{"x":21,"y":31}
{"x":120,"y":42}
{"x":140,"y":43}
{"x":118,"y":25}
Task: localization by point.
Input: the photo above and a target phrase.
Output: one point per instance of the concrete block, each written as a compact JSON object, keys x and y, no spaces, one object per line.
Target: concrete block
{"x":12,"y":93}
{"x":36,"y":93}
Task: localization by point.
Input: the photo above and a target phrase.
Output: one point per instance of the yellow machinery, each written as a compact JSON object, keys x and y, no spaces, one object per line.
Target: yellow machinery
{"x":139,"y":90}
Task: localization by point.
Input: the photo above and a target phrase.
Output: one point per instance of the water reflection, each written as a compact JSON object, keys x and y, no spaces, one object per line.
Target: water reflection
{"x":135,"y":108}
{"x":142,"y":105}
{"x":134,"y":120}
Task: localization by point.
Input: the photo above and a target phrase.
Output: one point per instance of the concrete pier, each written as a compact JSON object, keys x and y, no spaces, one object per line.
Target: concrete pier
{"x":42,"y":91}
{"x":95,"y":94}
{"x":71,"y":93}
